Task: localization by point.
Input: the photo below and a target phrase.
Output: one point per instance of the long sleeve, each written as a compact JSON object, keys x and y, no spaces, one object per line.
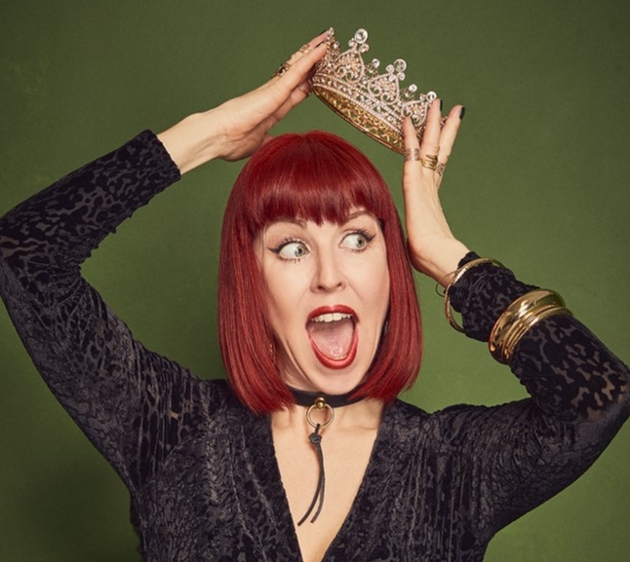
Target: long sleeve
{"x":104,"y":378}
{"x":523,"y":453}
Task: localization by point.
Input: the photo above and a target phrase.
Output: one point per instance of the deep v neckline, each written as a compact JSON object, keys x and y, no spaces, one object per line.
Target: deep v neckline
{"x":267,"y":471}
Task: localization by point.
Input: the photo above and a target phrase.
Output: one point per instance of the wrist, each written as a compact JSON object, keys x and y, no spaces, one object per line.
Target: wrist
{"x":193,"y":141}
{"x":441,"y":263}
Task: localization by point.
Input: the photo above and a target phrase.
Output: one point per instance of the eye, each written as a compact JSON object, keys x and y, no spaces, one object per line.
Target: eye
{"x":357,"y":241}
{"x":291,"y":250}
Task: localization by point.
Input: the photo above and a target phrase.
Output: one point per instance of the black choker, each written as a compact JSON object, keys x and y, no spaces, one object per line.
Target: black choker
{"x":324,"y":403}
{"x":307,"y":399}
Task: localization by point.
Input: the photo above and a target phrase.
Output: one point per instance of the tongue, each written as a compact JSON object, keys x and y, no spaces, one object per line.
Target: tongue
{"x":332,"y":339}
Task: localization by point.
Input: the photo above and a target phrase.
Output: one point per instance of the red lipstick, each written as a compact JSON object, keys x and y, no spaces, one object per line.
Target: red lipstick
{"x":342,"y":309}
{"x":325,"y":360}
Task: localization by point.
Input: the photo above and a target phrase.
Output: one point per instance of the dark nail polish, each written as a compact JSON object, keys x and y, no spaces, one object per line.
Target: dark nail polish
{"x":462,"y":112}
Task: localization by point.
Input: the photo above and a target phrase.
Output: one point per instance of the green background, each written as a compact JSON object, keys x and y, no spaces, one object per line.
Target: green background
{"x":539,"y":180}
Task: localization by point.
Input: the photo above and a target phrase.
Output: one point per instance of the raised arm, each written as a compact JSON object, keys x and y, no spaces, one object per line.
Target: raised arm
{"x":235,"y":129}
{"x":516,"y":456}
{"x":133,"y":404}
{"x":86,"y":355}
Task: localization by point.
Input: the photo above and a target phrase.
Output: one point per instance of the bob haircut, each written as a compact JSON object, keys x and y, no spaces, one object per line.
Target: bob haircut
{"x":315,"y":177}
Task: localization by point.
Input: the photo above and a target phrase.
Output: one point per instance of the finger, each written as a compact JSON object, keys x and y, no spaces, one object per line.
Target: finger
{"x":410,"y":136}
{"x":412,"y":168}
{"x":308,"y":47}
{"x":449,"y":133}
{"x":306,"y":87}
{"x":430,"y":145}
{"x":295,"y":85}
{"x":298,"y":95}
{"x":419,"y":183}
{"x":420,"y":156}
{"x":303,"y":60}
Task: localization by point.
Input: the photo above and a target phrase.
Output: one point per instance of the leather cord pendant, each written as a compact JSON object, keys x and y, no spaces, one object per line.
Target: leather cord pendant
{"x":316,"y":440}
{"x":324,"y":404}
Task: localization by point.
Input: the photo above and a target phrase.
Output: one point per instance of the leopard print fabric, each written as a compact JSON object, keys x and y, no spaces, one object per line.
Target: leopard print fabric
{"x":201,"y":469}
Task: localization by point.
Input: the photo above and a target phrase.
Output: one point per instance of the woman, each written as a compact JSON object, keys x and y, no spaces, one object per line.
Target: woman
{"x":316,"y":299}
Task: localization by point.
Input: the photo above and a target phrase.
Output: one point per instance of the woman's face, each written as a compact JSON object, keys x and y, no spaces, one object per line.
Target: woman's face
{"x":327,"y":298}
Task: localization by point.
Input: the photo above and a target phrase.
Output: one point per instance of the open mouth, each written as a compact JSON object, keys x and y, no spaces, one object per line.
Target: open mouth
{"x":332,"y":333}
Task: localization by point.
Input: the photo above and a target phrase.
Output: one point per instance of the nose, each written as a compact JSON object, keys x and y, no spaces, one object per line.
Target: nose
{"x":328,"y":275}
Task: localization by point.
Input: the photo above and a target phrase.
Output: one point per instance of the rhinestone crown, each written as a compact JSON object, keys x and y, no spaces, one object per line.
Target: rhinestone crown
{"x":374,"y":103}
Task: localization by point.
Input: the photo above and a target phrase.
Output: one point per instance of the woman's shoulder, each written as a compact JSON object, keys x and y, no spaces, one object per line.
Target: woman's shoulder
{"x":215,"y":392}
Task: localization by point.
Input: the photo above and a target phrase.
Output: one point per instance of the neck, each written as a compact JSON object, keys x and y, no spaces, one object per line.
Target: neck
{"x":364,"y":414}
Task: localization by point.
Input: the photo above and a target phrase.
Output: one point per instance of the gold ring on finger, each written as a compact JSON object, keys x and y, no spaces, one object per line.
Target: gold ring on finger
{"x":282,"y":69}
{"x":412,"y":154}
{"x":439,"y":169}
{"x":305,"y":49}
{"x":429,"y":161}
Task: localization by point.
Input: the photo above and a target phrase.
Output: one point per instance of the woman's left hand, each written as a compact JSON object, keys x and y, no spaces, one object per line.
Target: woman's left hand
{"x":433,"y":250}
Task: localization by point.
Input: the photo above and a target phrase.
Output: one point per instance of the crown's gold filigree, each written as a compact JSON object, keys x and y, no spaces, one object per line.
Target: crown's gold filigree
{"x":374,"y":103}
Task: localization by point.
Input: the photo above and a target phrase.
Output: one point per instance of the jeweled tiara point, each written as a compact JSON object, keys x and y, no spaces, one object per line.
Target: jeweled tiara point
{"x":374,"y":103}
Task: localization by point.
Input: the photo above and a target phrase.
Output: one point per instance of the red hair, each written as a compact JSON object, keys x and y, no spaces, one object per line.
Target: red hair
{"x":320,"y":177}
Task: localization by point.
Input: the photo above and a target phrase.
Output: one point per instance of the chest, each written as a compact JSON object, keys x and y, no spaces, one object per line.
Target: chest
{"x":236,"y":488}
{"x":346,"y":455}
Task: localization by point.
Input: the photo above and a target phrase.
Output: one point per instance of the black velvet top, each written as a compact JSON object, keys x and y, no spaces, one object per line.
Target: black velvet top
{"x":201,"y":469}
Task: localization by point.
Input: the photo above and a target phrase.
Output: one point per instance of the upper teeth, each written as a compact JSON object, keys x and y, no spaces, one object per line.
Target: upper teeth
{"x":331,"y":317}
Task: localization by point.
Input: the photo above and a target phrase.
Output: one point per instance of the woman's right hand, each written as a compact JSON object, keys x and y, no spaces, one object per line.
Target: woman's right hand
{"x":238,"y":127}
{"x":433,"y":250}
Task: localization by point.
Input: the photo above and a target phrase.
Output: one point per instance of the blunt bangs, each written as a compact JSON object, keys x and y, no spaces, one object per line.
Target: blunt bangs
{"x":315,"y":177}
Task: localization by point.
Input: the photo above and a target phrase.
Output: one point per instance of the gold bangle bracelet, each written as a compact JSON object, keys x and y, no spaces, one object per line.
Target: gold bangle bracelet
{"x":457,"y":275}
{"x":528,"y":324}
{"x":519,"y":317}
